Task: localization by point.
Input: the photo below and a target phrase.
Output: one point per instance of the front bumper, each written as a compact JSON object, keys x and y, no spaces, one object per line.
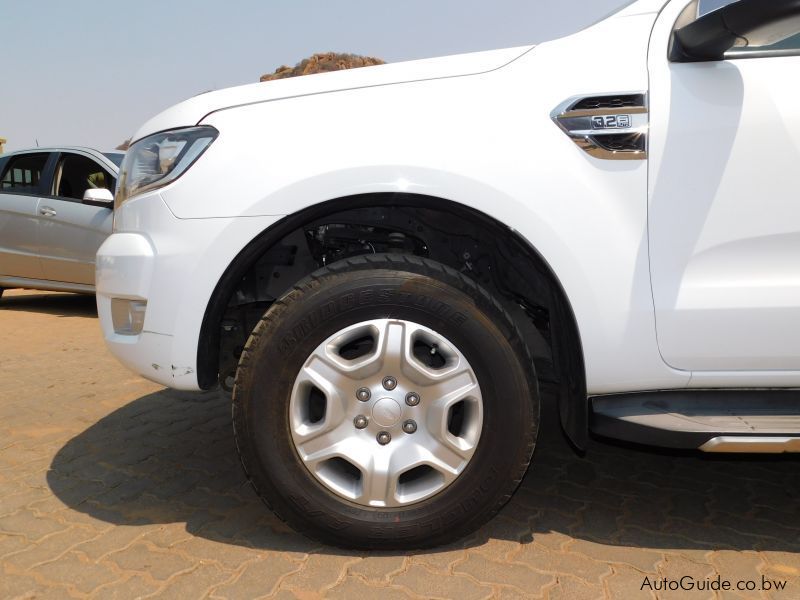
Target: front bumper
{"x":173,"y":265}
{"x":125,"y":264}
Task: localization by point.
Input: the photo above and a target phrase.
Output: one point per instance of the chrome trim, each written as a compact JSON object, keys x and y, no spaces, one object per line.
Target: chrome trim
{"x":735,"y":54}
{"x":590,"y":112}
{"x":577,"y":124}
{"x":754,"y":444}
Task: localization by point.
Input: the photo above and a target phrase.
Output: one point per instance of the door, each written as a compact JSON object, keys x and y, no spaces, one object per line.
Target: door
{"x":70,"y":232}
{"x":21,"y":182}
{"x":724,"y":205}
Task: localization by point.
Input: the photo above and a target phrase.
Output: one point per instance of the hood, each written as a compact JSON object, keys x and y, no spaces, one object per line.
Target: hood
{"x":192,"y":111}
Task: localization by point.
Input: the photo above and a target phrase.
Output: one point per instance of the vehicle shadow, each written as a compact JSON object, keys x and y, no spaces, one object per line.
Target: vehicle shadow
{"x":57,"y":304}
{"x":169,"y":457}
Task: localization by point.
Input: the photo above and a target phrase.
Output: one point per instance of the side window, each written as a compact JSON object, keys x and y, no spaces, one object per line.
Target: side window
{"x":706,"y":6}
{"x":23,"y":173}
{"x":787,"y":46}
{"x":75,"y":174}
{"x":780,"y":38}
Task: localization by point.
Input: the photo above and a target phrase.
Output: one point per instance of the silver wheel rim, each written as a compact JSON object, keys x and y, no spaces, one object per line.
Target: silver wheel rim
{"x":407,"y":437}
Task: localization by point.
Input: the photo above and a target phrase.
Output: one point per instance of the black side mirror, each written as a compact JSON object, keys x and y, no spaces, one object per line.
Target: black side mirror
{"x":752,"y":22}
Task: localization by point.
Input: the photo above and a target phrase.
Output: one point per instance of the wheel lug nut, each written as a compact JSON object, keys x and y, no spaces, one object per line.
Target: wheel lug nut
{"x":384,"y":437}
{"x":412,"y":398}
{"x":360,"y":422}
{"x":389,"y":383}
{"x":410,"y":426}
{"x":363,"y":394}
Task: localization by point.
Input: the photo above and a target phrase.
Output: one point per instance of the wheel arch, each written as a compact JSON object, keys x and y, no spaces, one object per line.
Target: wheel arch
{"x":567,"y":349}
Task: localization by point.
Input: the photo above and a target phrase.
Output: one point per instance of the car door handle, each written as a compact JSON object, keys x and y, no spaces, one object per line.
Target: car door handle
{"x":47,"y":211}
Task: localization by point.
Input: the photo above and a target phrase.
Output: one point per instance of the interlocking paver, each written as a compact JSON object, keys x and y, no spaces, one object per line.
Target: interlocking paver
{"x":572,"y":588}
{"x":128,"y":588}
{"x":320,"y":571}
{"x":17,"y":585}
{"x":112,"y":540}
{"x":744,"y":564}
{"x":441,"y":559}
{"x":75,"y":571}
{"x":258,"y":578}
{"x":353,"y":588}
{"x":112,"y":487}
{"x":196,"y":583}
{"x":142,"y":558}
{"x":511,"y":593}
{"x":229,"y":556}
{"x":428,"y":584}
{"x":168,"y":535}
{"x":502,"y":573}
{"x":676,"y":569}
{"x":12,"y":543}
{"x":28,"y":524}
{"x":638,"y":558}
{"x":376,"y":569}
{"x":542,"y":559}
{"x":49,"y":548}
{"x":24,"y":499}
{"x":785,"y":562}
{"x":626,"y":582}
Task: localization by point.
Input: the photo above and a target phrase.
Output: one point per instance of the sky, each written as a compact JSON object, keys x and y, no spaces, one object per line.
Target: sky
{"x":90,"y":72}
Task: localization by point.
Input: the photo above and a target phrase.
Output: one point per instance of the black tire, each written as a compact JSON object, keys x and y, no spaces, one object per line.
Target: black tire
{"x":360,"y":289}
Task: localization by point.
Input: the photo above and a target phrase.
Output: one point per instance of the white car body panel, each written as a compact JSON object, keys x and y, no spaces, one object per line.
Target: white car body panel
{"x":474,"y":129}
{"x":170,"y":268}
{"x":194,"y":109}
{"x":724,"y":214}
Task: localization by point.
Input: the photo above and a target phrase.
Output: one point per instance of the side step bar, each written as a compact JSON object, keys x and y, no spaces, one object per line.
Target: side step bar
{"x":765,"y":421}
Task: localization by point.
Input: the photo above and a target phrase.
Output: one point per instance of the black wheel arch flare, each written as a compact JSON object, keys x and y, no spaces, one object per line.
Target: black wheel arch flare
{"x":567,"y":352}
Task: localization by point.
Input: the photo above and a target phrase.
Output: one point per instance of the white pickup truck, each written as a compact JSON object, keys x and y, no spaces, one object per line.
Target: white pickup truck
{"x":387,"y":265}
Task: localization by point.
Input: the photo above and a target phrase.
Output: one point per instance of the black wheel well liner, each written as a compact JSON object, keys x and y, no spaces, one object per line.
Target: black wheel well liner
{"x":567,"y":347}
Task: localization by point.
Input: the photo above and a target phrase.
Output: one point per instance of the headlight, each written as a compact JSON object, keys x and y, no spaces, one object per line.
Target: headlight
{"x":159,"y":159}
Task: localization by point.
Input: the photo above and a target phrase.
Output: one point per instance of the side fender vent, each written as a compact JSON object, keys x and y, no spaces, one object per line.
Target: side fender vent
{"x":608,"y":127}
{"x":619,"y":101}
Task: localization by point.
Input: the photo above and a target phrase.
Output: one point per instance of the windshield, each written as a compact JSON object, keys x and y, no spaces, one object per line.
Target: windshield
{"x":115,"y":157}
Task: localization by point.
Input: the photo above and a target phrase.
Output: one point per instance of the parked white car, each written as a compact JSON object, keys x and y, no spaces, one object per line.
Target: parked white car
{"x":55,"y":212}
{"x":387,"y":265}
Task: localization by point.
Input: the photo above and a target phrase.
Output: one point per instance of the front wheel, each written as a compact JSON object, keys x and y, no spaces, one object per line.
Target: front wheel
{"x":386,"y":401}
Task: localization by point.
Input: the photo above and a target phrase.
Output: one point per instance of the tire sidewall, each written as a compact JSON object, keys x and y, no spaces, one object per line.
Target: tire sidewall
{"x":293,"y":330}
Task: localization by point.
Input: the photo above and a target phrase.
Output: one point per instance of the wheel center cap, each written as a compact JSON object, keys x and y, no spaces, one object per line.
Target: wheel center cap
{"x":386,"y":412}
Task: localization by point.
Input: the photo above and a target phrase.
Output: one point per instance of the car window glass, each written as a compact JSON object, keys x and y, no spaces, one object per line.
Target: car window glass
{"x":706,"y":6}
{"x":23,"y":173}
{"x":115,"y":157}
{"x":75,"y":174}
{"x":787,"y":45}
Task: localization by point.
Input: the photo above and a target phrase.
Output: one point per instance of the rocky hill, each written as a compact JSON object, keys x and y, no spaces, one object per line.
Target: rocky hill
{"x":323,"y":63}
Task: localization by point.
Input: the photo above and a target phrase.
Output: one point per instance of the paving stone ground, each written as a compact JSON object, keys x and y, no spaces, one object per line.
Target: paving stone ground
{"x":114,"y":487}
